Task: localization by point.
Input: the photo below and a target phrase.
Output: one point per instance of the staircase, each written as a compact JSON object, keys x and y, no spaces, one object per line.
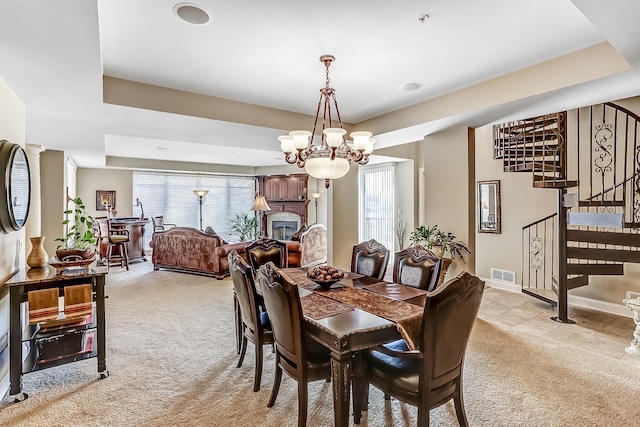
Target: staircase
{"x":595,"y":228}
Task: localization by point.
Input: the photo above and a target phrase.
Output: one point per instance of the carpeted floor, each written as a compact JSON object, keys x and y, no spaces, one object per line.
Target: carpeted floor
{"x":171,"y":357}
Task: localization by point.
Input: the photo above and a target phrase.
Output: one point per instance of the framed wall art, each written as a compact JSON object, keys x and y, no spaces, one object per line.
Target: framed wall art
{"x":105,"y":199}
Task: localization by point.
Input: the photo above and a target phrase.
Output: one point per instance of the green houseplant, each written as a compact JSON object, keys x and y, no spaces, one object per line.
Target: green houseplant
{"x":434,"y":238}
{"x":244,"y":226}
{"x":80,"y":240}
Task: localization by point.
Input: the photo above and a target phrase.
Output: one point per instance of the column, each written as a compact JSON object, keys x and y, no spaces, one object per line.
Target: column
{"x":34,"y":221}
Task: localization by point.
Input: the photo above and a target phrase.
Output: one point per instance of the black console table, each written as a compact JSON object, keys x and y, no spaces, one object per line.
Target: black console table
{"x":24,"y":339}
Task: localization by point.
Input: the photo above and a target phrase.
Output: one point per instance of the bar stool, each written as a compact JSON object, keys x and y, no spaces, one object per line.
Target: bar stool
{"x":114,"y":237}
{"x":118,"y":238}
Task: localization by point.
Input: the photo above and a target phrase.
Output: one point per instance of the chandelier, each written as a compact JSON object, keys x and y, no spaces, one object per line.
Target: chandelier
{"x":331,"y":158}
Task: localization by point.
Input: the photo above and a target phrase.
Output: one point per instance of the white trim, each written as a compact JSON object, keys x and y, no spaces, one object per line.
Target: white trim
{"x":574,"y":300}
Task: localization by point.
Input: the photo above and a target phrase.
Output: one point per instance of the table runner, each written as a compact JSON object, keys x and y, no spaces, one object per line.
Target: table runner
{"x":407,"y":317}
{"x":395,"y":290}
{"x":318,"y":307}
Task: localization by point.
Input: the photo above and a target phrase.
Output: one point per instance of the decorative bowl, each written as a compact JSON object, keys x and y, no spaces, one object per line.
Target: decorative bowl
{"x":325,"y":275}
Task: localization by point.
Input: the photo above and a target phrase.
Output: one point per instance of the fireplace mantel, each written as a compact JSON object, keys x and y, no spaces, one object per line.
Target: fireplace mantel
{"x":285,"y":193}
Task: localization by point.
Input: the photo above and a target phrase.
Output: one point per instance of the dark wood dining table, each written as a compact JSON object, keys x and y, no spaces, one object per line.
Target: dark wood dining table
{"x":353,"y":329}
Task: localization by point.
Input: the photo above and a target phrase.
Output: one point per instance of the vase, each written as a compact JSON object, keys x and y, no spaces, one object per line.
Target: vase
{"x":37,"y":257}
{"x":438,"y":250}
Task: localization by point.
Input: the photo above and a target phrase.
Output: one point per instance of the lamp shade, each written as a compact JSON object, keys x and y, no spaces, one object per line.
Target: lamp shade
{"x":325,"y":168}
{"x":200,"y":193}
{"x":260,"y":204}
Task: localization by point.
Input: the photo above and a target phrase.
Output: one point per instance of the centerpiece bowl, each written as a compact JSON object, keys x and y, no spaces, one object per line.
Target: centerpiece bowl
{"x":325,"y":275}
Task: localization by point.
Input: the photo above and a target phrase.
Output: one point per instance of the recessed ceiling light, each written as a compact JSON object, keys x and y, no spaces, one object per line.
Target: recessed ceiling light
{"x":191,"y":13}
{"x":162,"y":148}
{"x":409,"y":87}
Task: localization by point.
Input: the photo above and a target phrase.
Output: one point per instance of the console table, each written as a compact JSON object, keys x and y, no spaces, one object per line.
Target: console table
{"x":24,"y":338}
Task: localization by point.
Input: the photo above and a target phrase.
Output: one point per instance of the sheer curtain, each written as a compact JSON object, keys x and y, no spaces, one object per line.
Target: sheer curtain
{"x":376,"y":203}
{"x":171,"y":195}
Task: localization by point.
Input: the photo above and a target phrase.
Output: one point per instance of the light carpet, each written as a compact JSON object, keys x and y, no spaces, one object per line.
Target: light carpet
{"x":172,"y":362}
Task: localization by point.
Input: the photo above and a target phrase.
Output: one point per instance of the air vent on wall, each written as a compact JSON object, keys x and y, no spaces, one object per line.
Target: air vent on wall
{"x":503,"y":275}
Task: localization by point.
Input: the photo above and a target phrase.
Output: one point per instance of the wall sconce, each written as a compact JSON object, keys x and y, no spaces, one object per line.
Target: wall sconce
{"x":316,"y":196}
{"x":200,"y":194}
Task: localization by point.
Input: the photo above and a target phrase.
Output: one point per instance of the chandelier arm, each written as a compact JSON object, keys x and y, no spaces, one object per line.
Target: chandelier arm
{"x":289,"y":159}
{"x":364,"y":160}
{"x":333,"y":153}
{"x":356,"y":155}
{"x":315,"y":122}
{"x":335,"y":103}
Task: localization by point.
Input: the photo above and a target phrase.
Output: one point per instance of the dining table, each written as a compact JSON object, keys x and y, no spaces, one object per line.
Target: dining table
{"x":356,"y":313}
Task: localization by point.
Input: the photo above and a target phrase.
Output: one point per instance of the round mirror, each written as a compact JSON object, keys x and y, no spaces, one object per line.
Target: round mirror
{"x":15,"y":182}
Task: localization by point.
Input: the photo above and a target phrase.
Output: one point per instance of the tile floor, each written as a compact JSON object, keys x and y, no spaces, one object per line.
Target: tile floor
{"x":595,"y":331}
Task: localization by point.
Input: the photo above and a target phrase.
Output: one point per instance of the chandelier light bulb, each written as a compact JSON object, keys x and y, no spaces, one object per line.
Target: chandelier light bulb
{"x":361,"y":139}
{"x":286,"y":144}
{"x":334,"y":136}
{"x":300,"y":138}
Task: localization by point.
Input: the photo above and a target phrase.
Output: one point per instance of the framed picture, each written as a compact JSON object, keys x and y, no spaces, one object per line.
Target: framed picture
{"x":104,"y":199}
{"x":489,"y":206}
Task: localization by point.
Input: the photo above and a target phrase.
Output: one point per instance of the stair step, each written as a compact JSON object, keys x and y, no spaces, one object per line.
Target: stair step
{"x":530,"y":166}
{"x":604,"y":237}
{"x":596,"y":269}
{"x":572,"y":282}
{"x":551,"y":183}
{"x":604,"y":254}
{"x":598,"y":203}
{"x":528,"y":139}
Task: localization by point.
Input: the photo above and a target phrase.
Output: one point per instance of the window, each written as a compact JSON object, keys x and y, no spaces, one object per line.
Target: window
{"x":376,"y":203}
{"x":171,"y":195}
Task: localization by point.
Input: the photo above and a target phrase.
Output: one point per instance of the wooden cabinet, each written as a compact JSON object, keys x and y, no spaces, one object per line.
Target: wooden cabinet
{"x":286,"y":193}
{"x":32,"y":346}
{"x":284,"y":187}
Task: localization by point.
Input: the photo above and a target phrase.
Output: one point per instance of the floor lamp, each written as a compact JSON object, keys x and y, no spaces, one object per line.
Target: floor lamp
{"x":200,"y":194}
{"x":316,"y":196}
{"x":260,"y":205}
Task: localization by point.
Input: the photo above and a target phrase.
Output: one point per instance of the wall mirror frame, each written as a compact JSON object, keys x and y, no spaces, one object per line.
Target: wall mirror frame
{"x":15,"y":184}
{"x":489,"y":220}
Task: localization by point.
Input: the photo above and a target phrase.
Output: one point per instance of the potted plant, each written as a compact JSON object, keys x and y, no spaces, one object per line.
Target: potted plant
{"x":437,"y":240}
{"x":80,"y":240}
{"x":244,"y":226}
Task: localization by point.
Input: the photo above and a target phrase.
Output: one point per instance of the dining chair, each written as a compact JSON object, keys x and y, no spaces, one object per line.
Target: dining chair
{"x":417,"y":266}
{"x":159,"y":224}
{"x":254,"y":323}
{"x":264,"y":250}
{"x":432,"y":375}
{"x":370,"y":258}
{"x":297,"y":354}
{"x":114,"y":238}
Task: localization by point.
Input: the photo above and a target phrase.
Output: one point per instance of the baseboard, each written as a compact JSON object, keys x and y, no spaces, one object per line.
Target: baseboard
{"x":575,"y":301}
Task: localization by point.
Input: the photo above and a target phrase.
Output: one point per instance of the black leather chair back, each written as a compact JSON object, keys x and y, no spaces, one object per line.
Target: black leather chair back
{"x":370,"y":258}
{"x":417,"y":266}
{"x":244,"y":285}
{"x":267,"y":250}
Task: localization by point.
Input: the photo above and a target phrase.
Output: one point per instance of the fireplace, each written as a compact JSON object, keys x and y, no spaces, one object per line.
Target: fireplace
{"x":282,"y":225}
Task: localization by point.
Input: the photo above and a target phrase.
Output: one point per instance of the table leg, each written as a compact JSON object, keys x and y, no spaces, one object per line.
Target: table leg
{"x":100,"y":324}
{"x":15,"y":344}
{"x":341,"y":377}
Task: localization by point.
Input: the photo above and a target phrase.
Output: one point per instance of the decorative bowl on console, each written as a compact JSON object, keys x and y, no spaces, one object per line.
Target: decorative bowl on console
{"x":325,"y":275}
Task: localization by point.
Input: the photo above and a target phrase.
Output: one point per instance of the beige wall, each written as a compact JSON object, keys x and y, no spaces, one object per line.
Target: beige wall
{"x":12,"y":128}
{"x":118,"y":180}
{"x":447,"y":159}
{"x":53,"y":195}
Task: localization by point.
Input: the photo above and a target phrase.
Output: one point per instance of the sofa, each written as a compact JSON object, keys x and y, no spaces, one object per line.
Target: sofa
{"x":192,"y":251}
{"x":221,"y":263}
{"x":185,"y":249}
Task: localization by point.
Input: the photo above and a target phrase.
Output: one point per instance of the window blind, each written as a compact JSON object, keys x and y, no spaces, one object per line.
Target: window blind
{"x":376,"y":203}
{"x":171,"y":195}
